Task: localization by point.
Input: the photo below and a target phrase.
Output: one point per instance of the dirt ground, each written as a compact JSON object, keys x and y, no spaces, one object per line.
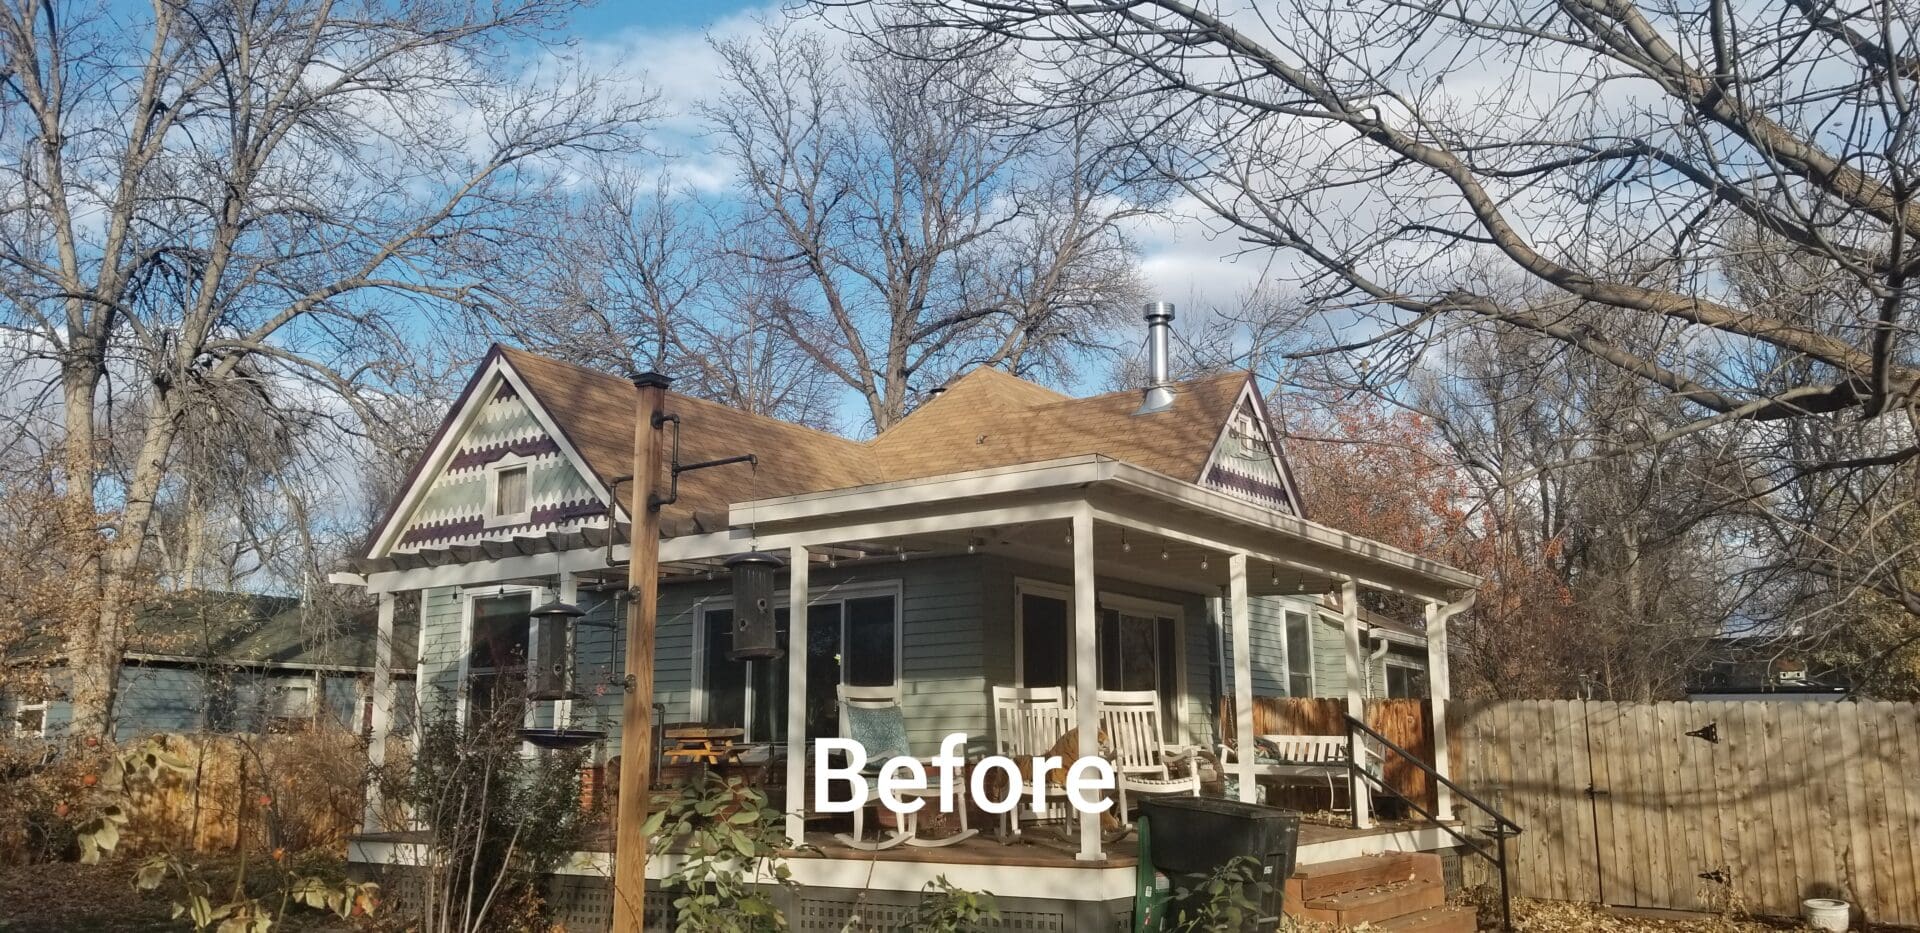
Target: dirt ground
{"x":66,"y":897}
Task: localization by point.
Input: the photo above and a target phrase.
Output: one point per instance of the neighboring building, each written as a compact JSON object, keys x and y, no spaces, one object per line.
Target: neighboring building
{"x":214,"y":662}
{"x":1744,"y":667}
{"x":983,"y":540}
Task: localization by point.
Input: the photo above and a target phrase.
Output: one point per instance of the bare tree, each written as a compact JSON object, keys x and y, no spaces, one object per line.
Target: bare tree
{"x":643,"y":276}
{"x":929,"y":236}
{"x":205,"y":194}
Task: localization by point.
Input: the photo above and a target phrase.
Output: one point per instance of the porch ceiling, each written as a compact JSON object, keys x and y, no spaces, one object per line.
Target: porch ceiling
{"x":1139,"y":515}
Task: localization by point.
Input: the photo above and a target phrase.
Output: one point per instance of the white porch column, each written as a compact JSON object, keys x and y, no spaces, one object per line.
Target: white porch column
{"x":1439,"y":691}
{"x":1246,"y":750}
{"x":797,"y":570}
{"x":382,"y":710}
{"x":1086,"y":665}
{"x":1356,"y":698}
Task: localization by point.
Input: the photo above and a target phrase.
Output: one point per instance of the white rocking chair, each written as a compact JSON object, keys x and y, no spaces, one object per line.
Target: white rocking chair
{"x":872,"y":716}
{"x":1027,"y":721}
{"x":1131,"y":719}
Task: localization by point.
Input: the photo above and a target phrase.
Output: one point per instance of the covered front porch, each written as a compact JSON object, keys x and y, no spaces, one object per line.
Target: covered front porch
{"x":1083,"y":543}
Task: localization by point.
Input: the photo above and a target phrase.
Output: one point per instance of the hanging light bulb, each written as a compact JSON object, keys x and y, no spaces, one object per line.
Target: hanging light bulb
{"x":902,"y":552}
{"x":1203,"y":562}
{"x":972,"y":548}
{"x":1126,"y":547}
{"x":1276,"y":578}
{"x":1163,"y":552}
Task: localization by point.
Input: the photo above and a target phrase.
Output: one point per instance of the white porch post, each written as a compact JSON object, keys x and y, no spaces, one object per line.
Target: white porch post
{"x":1439,"y":691}
{"x":1356,"y":699}
{"x":382,"y":710}
{"x":1238,"y":617}
{"x":797,"y":570}
{"x":1086,"y":664}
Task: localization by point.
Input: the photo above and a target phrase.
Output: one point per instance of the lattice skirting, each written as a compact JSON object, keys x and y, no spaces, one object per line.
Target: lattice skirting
{"x":585,"y":905}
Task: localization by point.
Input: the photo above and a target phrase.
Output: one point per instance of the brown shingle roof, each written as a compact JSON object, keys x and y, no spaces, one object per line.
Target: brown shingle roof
{"x":985,"y":419}
{"x":596,"y":413}
{"x":956,"y":433}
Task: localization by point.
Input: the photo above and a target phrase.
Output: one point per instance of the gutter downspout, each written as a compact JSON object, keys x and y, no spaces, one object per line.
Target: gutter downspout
{"x":1377,"y":653}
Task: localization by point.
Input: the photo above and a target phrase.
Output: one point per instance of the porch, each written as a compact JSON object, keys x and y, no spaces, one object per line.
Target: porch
{"x":1091,"y":533}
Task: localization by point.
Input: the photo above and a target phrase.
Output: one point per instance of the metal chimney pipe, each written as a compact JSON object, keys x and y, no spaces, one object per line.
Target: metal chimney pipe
{"x":1159,"y":392}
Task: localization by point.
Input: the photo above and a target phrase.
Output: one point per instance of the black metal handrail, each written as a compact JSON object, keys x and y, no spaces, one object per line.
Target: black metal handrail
{"x":1503,"y":827}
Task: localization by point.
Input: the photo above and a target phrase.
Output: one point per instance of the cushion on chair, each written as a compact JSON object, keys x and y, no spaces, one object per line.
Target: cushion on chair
{"x":882,"y":731}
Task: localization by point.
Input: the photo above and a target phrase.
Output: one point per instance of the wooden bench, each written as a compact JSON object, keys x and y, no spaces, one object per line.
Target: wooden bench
{"x":1302,"y":759}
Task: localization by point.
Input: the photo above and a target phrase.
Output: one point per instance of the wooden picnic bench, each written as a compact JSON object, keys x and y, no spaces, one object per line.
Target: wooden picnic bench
{"x":1302,"y":759}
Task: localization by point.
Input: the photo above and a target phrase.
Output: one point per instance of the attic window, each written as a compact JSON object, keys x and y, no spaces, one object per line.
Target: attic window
{"x":509,"y":491}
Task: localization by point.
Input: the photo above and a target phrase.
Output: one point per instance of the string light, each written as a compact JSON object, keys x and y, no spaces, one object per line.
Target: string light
{"x":1126,"y":547}
{"x":1163,"y":552}
{"x":1203,"y":563}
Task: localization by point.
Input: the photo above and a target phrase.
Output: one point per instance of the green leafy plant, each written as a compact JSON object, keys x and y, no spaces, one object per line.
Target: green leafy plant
{"x":244,"y":913}
{"x":1227,"y":898}
{"x":947,"y":908}
{"x":731,"y":845}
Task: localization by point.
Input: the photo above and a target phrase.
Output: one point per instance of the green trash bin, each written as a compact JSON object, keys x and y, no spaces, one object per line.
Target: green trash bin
{"x":1194,"y":836}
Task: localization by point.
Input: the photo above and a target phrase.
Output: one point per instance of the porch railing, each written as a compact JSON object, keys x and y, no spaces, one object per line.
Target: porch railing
{"x":1499,"y":831}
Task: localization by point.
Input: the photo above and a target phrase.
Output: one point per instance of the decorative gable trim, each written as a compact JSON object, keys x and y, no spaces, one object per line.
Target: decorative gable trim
{"x":494,"y":381}
{"x":1277,"y":493}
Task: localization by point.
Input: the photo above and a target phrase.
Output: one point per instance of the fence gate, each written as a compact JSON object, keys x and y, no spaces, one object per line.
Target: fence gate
{"x":1697,"y":805}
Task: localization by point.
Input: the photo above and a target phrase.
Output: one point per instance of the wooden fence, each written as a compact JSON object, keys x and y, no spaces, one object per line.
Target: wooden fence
{"x":1693,"y":805}
{"x":299,"y":791}
{"x":1406,"y":722}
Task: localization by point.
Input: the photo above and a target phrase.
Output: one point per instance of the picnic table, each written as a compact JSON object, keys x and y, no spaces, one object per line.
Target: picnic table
{"x":702,"y":744}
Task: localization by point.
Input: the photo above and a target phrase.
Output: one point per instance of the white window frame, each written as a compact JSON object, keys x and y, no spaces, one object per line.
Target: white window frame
{"x":26,"y":706}
{"x":496,"y":519}
{"x":698,"y":704}
{"x":1311,"y":612}
{"x":1119,"y":602}
{"x":1386,"y":690}
{"x":469,"y":596}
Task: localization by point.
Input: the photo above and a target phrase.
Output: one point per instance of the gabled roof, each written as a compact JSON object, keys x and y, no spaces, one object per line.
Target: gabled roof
{"x":990,"y":419}
{"x":984,"y":419}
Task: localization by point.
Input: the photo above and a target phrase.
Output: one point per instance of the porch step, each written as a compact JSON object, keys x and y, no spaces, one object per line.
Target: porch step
{"x":1449,"y":919}
{"x":1351,"y":874}
{"x":1376,"y":904}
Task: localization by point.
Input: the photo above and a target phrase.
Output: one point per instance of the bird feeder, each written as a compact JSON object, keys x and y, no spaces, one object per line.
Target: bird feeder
{"x":754,"y":637}
{"x":552,"y":676}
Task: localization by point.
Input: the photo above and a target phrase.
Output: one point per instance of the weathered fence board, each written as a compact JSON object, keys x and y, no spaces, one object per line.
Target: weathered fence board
{"x":1795,"y":800}
{"x":1407,"y":722}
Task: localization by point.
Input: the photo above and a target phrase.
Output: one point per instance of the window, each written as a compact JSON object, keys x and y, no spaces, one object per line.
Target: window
{"x":852,"y":641}
{"x":1299,"y":654}
{"x":1406,"y":681}
{"x":509,"y":492}
{"x":30,"y":718}
{"x":1137,"y":647}
{"x":497,"y":655}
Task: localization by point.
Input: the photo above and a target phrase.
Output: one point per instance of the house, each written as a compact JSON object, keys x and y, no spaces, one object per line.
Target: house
{"x":1747,"y":667}
{"x":1001,"y":534}
{"x":212,"y":662}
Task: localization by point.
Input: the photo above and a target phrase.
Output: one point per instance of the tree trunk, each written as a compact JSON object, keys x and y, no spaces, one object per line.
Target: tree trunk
{"x":79,"y":385}
{"x":101,"y":634}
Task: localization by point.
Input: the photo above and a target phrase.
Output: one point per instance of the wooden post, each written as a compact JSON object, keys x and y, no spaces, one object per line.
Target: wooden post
{"x":797,"y":572}
{"x":1357,"y":789}
{"x":636,"y":716}
{"x":1240,"y":617}
{"x":382,"y":711}
{"x":1086,"y":667}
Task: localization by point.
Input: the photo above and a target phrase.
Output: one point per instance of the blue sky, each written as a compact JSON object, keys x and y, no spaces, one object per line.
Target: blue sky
{"x":664,"y":44}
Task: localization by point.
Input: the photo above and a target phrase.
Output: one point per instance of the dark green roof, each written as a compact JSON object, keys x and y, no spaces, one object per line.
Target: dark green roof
{"x":244,"y":629}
